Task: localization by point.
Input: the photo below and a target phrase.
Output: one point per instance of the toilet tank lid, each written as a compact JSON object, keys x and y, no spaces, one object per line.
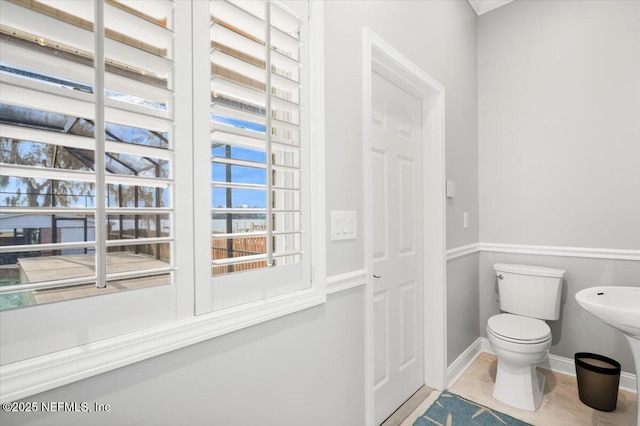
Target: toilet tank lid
{"x":538,"y":271}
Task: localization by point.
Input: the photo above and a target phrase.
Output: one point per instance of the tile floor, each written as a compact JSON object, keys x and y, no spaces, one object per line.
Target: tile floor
{"x":561,"y":405}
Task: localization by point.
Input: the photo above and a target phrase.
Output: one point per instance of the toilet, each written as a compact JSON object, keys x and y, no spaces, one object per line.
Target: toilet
{"x":519,"y":336}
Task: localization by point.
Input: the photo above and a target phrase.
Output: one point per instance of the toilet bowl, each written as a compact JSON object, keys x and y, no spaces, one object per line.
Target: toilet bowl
{"x":520,"y":343}
{"x":520,"y":337}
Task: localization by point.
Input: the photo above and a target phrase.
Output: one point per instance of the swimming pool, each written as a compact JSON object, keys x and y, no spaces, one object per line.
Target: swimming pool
{"x":14,"y":299}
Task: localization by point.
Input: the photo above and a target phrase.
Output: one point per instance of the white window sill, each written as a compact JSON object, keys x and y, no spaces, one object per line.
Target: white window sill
{"x":29,"y":377}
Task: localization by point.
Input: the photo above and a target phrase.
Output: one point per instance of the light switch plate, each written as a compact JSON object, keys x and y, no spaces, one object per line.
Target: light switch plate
{"x":451,"y":189}
{"x":344,"y":225}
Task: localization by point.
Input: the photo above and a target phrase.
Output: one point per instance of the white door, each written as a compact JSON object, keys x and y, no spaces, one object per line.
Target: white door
{"x":397,"y":246}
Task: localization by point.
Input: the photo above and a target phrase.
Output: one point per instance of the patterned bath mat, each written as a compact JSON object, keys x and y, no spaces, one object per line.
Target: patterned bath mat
{"x":453,"y":410}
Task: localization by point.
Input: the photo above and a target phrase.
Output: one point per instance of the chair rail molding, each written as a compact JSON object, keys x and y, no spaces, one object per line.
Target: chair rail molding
{"x":593,"y":253}
{"x":341,"y":282}
{"x":454,"y":253}
{"x":585,"y":252}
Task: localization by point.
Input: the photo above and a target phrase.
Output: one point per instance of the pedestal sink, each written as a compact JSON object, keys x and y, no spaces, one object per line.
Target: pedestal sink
{"x":618,"y":307}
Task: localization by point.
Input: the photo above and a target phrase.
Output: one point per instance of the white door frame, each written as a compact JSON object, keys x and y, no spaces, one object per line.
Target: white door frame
{"x":382,"y":58}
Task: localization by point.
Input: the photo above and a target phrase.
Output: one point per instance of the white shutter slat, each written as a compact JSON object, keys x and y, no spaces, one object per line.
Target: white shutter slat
{"x":51,"y":64}
{"x":286,"y":84}
{"x":151,"y":182}
{"x":40,"y":96}
{"x":252,"y":7}
{"x":285,"y":104}
{"x":113,"y":276}
{"x":237,"y":210}
{"x":232,"y":39}
{"x":32,"y":22}
{"x":252,"y":258}
{"x":117,"y":20}
{"x":138,"y":241}
{"x":238,"y":131}
{"x":240,"y":66}
{"x":43,"y":247}
{"x":137,"y":58}
{"x":284,"y":62}
{"x":253,"y":234}
{"x":48,"y":210}
{"x":32,"y":172}
{"x":137,"y":116}
{"x":285,"y":20}
{"x":53,"y":138}
{"x":237,"y":91}
{"x":239,"y":18}
{"x":237,"y":140}
{"x":223,"y":86}
{"x":237,"y":137}
{"x":234,"y":185}
{"x":53,"y":99}
{"x":242,"y":138}
{"x":156,"y":9}
{"x":80,"y":142}
{"x":251,"y":210}
{"x":236,"y":162}
{"x":48,"y":284}
{"x":285,"y":44}
{"x":79,"y":176}
{"x":114,"y":211}
{"x":237,"y":114}
{"x":282,"y":124}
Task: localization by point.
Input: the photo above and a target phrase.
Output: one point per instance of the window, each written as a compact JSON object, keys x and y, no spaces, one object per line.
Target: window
{"x":171,"y":168}
{"x":95,"y":205}
{"x":259,"y":152}
{"x":86,"y":172}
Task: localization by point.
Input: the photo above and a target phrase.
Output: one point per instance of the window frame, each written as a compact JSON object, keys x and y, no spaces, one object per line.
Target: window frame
{"x":178,"y":325}
{"x":248,"y":287}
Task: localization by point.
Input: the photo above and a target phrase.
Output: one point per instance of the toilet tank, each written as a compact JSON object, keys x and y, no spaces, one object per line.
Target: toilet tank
{"x":532,"y":291}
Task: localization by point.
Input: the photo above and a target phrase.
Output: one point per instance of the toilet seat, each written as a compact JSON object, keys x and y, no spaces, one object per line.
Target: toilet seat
{"x":518,"y":329}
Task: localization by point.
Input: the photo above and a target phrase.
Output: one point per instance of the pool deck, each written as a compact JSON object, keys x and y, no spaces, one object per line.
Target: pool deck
{"x":53,"y":268}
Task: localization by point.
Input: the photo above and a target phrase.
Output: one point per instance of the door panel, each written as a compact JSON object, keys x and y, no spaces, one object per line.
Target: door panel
{"x":407,"y":324}
{"x":407,"y":212}
{"x":381,"y":338}
{"x":396,"y":246}
{"x":379,"y":240}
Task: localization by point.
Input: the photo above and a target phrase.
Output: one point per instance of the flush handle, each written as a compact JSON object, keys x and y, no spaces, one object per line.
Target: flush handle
{"x":500,"y":276}
{"x":377,"y":276}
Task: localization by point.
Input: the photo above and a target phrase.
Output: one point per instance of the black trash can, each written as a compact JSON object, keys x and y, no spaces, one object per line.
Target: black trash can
{"x":598,"y":380}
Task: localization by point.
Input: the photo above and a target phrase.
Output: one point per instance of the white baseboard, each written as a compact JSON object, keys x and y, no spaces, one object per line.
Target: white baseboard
{"x":560,"y":364}
{"x":463,"y":362}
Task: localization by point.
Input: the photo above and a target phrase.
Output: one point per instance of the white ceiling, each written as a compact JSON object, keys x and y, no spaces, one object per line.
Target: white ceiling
{"x":484,"y":6}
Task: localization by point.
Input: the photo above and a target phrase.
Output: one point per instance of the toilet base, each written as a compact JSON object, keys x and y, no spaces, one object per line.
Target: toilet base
{"x":519,"y":386}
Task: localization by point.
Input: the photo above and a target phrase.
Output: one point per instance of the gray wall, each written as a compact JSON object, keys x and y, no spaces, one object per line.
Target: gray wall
{"x":463,"y":294}
{"x":439,"y":37}
{"x":559,"y":102}
{"x":559,"y":95}
{"x":305,"y":368}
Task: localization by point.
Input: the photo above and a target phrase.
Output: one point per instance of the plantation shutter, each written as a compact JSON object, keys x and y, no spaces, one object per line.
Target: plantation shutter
{"x":256,"y":144}
{"x":107,"y":168}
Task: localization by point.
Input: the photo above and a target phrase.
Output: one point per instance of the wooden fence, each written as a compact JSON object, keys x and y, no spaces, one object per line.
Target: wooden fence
{"x":242,"y":246}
